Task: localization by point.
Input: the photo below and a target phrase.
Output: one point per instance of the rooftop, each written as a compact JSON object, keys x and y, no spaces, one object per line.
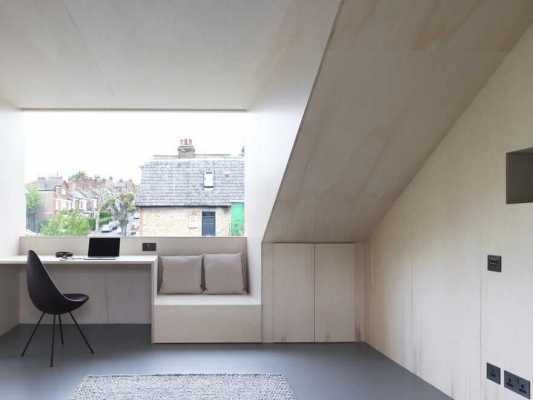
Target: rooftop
{"x":180,"y":182}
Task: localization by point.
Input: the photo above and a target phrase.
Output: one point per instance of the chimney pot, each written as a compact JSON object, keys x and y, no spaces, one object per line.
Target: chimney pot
{"x":186,"y":149}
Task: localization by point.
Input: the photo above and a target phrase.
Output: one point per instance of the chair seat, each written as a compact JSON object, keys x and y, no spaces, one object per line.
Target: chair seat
{"x":76,"y":297}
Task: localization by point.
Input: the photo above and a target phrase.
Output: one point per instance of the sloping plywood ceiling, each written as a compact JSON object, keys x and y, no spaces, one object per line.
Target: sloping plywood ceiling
{"x":394,"y":78}
{"x":175,"y":54}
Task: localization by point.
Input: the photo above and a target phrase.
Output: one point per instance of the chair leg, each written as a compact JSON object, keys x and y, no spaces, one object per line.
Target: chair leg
{"x":81,"y":333}
{"x":53,"y":341}
{"x":31,"y":336}
{"x":61,"y":329}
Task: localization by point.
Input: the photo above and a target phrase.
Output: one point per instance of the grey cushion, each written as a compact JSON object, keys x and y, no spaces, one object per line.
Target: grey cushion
{"x":181,"y":275}
{"x":224,"y":274}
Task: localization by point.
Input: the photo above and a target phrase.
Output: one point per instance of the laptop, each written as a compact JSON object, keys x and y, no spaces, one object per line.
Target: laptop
{"x":100,"y":248}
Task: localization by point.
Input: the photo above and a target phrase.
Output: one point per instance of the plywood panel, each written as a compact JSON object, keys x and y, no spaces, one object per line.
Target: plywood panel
{"x":12,"y":210}
{"x":9,"y":301}
{"x":395,"y":77}
{"x":434,"y":307}
{"x":360,"y":291}
{"x":90,"y":280}
{"x":267,"y":292}
{"x":293,"y":312}
{"x":335,"y":293}
{"x":127,"y":294}
{"x":143,"y":55}
{"x":207,"y":324}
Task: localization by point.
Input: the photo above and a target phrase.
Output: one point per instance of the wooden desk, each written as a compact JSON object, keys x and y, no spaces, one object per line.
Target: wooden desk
{"x":120,"y":289}
{"x":79,"y":260}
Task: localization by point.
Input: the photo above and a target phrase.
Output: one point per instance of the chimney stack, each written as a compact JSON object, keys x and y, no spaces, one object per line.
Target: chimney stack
{"x":186,"y":149}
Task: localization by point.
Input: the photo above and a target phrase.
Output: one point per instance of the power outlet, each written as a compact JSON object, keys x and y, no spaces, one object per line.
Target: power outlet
{"x":494,"y":373}
{"x":524,"y":388}
{"x":149,"y":246}
{"x":510,"y":381}
{"x":517,"y":384}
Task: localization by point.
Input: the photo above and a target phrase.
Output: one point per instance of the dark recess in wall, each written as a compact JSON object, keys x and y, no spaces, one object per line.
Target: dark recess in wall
{"x":520,"y":176}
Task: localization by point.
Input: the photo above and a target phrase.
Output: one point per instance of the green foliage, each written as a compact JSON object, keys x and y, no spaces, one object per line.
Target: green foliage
{"x":105,"y":217}
{"x":79,"y":176}
{"x":33,"y":200}
{"x":121,"y":208}
{"x":68,"y":223}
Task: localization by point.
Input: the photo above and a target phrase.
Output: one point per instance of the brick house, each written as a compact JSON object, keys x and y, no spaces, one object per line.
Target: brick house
{"x":191,"y":195}
{"x":83,"y":195}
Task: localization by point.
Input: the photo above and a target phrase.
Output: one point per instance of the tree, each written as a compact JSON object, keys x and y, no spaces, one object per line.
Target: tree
{"x":79,"y":176}
{"x":121,"y":207}
{"x":68,"y":223}
{"x":33,"y":205}
{"x":104,"y":217}
{"x":102,"y":197}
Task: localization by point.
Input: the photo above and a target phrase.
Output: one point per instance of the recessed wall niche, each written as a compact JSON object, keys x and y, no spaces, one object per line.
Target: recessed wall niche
{"x":520,"y":176}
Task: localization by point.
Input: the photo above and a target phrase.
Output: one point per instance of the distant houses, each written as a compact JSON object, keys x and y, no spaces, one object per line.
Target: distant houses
{"x":82,"y":193}
{"x":184,"y":194}
{"x":190,"y":194}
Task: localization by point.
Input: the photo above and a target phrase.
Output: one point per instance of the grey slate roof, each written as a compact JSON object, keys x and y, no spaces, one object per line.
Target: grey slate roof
{"x":48,"y":184}
{"x":180,"y":183}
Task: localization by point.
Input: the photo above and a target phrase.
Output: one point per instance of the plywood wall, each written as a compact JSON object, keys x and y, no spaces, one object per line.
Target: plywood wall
{"x":396,"y":75}
{"x":433,"y":306}
{"x":278,"y":109}
{"x":12,"y":208}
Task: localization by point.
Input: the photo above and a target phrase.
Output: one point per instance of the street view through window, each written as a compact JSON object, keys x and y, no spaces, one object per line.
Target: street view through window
{"x":134,"y":173}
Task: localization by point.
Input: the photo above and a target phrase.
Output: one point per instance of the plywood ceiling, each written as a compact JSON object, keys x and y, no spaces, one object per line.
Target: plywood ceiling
{"x":175,"y":54}
{"x":395,"y":76}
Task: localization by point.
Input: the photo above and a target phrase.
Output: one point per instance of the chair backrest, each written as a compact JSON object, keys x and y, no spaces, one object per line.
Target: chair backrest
{"x":42,"y":290}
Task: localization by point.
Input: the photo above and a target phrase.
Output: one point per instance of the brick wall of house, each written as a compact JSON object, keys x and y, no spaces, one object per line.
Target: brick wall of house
{"x":181,"y":221}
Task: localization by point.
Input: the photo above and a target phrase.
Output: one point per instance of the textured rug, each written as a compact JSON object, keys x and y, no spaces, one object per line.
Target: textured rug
{"x":185,"y":387}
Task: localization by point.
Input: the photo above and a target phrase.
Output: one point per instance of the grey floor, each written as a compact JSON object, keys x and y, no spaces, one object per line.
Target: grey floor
{"x":315,"y":371}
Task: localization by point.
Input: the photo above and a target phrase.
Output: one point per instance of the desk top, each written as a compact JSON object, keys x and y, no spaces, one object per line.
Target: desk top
{"x":77,"y":260}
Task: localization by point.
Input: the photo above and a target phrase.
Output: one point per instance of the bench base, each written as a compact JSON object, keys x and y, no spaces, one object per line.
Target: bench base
{"x":206,"y":319}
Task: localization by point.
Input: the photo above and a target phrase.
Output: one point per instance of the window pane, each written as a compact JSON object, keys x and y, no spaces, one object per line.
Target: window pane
{"x":135,"y":173}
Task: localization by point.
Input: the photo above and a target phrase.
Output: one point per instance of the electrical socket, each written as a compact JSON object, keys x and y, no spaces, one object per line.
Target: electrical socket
{"x":149,"y":246}
{"x":510,"y":381}
{"x":517,"y":384}
{"x":494,"y":373}
{"x":524,"y":388}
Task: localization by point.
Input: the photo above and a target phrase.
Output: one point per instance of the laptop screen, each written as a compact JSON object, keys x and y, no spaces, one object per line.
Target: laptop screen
{"x":104,"y":247}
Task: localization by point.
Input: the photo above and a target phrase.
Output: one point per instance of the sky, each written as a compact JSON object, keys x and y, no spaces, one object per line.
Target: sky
{"x":107,"y":143}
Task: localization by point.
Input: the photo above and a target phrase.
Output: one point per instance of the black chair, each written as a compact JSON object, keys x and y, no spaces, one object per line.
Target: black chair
{"x":49,"y":300}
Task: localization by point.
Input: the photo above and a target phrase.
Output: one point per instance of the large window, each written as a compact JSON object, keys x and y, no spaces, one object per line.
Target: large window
{"x":135,"y":173}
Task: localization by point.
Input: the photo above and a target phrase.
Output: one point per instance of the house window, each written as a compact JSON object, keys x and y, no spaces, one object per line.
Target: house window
{"x":209,"y":180}
{"x":208,"y":223}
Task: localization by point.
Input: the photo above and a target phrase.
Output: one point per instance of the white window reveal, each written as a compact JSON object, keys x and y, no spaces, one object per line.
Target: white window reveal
{"x":209,"y":179}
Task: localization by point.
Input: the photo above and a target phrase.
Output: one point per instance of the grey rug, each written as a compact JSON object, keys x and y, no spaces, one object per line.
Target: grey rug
{"x":185,"y":387}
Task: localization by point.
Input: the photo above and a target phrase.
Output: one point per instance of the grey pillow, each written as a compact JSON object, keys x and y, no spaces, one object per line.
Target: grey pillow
{"x":181,"y":275}
{"x":224,"y":274}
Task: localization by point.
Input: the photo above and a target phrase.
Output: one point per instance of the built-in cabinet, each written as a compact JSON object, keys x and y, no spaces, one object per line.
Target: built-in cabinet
{"x":293,"y":317}
{"x":309,"y":293}
{"x":334,"y":293}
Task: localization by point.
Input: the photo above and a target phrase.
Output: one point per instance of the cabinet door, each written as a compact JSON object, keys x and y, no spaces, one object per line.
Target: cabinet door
{"x":293,"y":314}
{"x":334,"y":297}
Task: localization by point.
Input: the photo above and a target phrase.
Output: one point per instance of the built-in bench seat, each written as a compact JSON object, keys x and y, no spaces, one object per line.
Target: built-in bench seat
{"x":204,"y":318}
